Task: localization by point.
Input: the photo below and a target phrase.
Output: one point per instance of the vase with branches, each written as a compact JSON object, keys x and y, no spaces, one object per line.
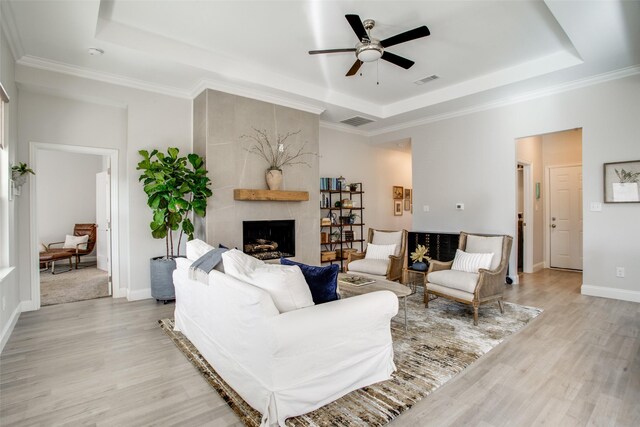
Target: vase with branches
{"x":277,"y":154}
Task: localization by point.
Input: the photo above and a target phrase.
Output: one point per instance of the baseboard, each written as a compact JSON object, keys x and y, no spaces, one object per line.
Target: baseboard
{"x":8,"y":328}
{"x":613,"y":293}
{"x":27,"y":306}
{"x":138,"y":295}
{"x":539,"y":266}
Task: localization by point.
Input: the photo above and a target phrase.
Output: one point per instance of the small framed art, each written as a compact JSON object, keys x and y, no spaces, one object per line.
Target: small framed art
{"x":622,"y":182}
{"x":397,"y":193}
{"x":397,"y":207}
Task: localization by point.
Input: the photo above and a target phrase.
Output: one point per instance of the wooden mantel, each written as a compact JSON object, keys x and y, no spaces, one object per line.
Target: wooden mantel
{"x":270,"y":195}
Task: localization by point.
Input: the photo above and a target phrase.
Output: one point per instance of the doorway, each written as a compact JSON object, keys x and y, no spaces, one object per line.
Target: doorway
{"x":539,"y":155}
{"x":72,"y":191}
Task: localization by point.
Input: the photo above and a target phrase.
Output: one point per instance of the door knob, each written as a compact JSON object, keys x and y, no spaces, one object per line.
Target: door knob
{"x":553,"y":226}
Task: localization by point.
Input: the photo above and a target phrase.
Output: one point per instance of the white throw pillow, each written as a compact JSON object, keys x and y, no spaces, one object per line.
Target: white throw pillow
{"x":471,"y":263}
{"x":42,"y":248}
{"x":388,"y":238}
{"x":196,"y":248}
{"x":70,"y":242}
{"x":379,"y":251}
{"x":285,"y":283}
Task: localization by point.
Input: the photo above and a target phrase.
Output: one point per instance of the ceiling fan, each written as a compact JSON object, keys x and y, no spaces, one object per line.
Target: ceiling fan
{"x":370,"y":49}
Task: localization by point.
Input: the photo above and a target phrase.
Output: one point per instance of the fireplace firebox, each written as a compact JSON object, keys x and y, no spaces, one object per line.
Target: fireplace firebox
{"x":269,"y":239}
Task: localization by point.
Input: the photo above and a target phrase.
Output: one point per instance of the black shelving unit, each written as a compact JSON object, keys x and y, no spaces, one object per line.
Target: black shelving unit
{"x":340,"y":226}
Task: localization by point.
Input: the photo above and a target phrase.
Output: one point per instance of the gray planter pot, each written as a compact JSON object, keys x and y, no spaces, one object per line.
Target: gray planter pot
{"x":162,"y":279}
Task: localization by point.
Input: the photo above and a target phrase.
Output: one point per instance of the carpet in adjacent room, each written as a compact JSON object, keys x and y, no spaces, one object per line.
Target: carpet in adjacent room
{"x":76,"y":285}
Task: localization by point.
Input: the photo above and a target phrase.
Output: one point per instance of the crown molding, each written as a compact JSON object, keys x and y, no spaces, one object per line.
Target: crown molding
{"x":253,"y":93}
{"x":48,"y":65}
{"x":541,"y":93}
{"x":59,"y":67}
{"x":7,"y":20}
{"x":343,"y":128}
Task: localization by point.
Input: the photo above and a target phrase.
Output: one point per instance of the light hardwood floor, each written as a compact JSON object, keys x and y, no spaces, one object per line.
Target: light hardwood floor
{"x":106,"y":362}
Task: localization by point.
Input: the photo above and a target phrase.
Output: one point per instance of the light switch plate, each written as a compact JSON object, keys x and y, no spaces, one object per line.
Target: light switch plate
{"x":460,"y":206}
{"x":596,"y":207}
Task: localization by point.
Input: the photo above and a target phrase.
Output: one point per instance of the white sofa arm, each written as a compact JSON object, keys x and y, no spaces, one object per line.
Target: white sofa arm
{"x":324,"y":326}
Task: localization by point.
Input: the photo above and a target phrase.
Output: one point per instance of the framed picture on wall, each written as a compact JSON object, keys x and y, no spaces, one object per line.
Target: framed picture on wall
{"x":397,"y":207}
{"x":622,"y":182}
{"x":407,"y":199}
{"x":397,"y":193}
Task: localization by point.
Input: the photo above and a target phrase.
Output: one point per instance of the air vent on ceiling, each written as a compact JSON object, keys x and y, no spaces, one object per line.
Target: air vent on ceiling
{"x":426,"y":79}
{"x":356,"y":121}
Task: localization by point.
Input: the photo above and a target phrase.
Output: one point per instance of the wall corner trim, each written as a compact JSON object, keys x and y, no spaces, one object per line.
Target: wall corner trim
{"x":608,"y":292}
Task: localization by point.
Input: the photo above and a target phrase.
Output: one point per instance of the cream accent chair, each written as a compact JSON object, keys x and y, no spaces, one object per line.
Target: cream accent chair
{"x":389,"y":269}
{"x":472,"y":288}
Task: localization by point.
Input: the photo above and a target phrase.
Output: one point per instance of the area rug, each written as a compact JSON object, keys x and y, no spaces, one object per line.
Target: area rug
{"x":75,"y":285}
{"x":440,"y":342}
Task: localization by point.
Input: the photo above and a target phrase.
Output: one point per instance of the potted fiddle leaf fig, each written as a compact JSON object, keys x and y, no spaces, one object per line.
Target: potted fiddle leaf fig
{"x":177,"y":187}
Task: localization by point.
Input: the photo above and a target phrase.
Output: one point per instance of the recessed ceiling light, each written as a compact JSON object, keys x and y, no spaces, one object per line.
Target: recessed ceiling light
{"x":94,"y":51}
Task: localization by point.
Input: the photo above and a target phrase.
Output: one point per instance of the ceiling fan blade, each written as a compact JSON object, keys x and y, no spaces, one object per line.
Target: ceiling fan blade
{"x":397,"y":60}
{"x":316,"y":52}
{"x":416,"y":33}
{"x":358,"y":27}
{"x":354,"y":68}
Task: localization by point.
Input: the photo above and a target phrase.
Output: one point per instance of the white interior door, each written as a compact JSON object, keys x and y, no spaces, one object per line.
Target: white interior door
{"x":565,"y":209}
{"x":103,"y":212}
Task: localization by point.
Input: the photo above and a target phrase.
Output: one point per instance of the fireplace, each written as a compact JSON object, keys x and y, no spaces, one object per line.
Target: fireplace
{"x":269,"y":239}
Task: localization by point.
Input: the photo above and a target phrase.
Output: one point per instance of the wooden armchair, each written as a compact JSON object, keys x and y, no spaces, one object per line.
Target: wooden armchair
{"x":391,"y":268}
{"x":90,"y":230}
{"x":472,"y":288}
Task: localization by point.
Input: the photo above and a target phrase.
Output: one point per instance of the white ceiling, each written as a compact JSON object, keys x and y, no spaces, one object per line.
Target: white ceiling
{"x":483,"y":51}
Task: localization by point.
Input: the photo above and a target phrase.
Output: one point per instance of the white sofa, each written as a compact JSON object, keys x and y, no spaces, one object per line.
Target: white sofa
{"x":288,"y":364}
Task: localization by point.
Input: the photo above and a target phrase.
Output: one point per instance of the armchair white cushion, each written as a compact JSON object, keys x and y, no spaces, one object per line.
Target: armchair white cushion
{"x":388,"y":238}
{"x":376,"y":267}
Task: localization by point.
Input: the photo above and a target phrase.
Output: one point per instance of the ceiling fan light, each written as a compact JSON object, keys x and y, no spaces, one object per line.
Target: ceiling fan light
{"x":369,"y":54}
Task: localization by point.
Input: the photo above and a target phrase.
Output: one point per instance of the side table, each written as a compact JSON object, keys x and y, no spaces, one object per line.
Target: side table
{"x":413,"y":278}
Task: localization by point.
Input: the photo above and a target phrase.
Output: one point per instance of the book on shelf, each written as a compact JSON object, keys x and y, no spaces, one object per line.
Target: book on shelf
{"x":355,"y":280}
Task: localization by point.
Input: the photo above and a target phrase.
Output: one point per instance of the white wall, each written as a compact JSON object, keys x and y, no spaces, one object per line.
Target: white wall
{"x":90,"y":113}
{"x":10,"y":306}
{"x":379,"y":169}
{"x":471,"y":159}
{"x":66,"y":192}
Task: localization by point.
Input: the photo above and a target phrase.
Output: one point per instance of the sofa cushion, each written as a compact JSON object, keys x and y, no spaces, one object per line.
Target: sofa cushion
{"x":322,"y":281}
{"x":380,"y":251}
{"x":486,"y":244}
{"x":196,"y":248}
{"x":454,"y":279}
{"x":388,"y":238}
{"x":284,"y":283}
{"x":469,"y":262}
{"x":377,"y":267}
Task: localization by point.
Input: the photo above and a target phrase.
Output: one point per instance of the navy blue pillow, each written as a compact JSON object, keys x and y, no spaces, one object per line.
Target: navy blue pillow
{"x":322,"y":281}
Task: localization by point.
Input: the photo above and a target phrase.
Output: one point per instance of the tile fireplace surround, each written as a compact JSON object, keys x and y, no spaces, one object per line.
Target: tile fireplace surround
{"x":220,"y":120}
